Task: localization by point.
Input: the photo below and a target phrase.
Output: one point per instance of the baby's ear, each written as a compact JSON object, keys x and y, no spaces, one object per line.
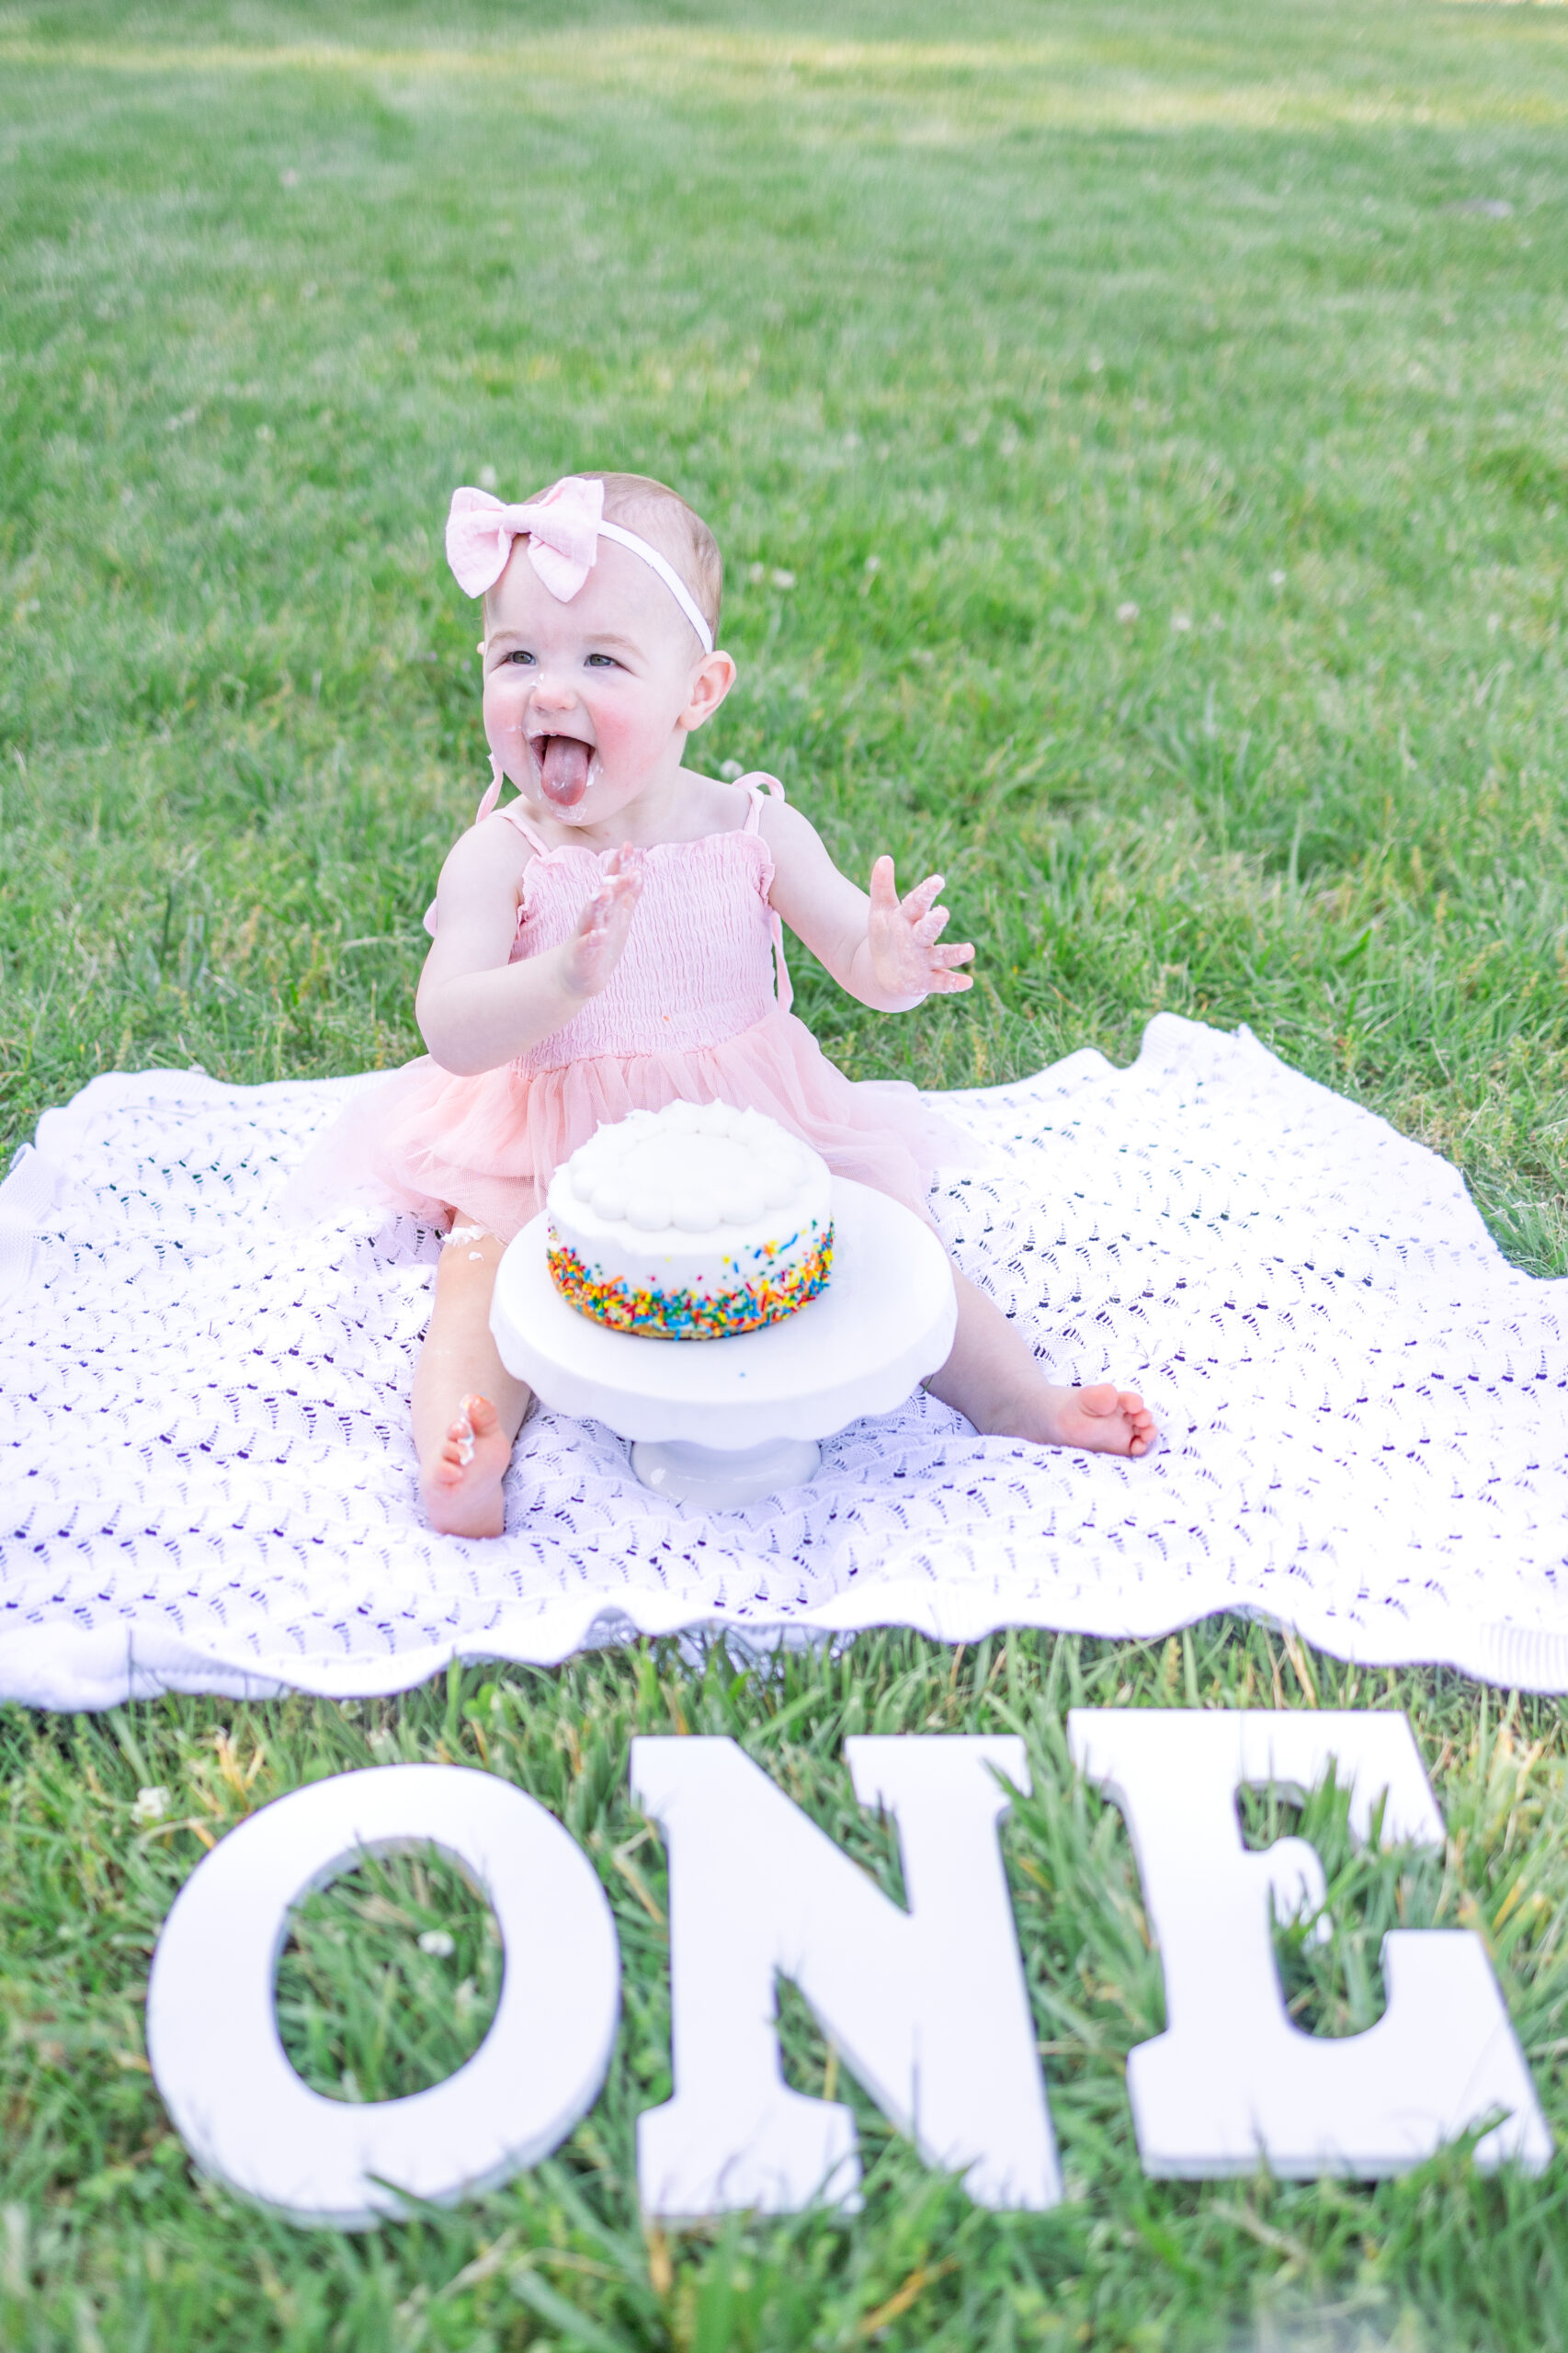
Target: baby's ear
{"x":712,"y":681}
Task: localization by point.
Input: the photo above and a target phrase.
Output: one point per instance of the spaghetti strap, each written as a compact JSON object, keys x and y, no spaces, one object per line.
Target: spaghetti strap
{"x":754,"y":784}
{"x":514,"y":816}
{"x":512,"y":813}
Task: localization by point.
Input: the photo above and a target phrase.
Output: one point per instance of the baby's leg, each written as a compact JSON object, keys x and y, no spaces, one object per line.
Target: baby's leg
{"x":467,"y":1406}
{"x":993,"y":1379}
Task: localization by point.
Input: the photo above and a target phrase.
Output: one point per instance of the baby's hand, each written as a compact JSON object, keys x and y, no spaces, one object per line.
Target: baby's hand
{"x":904,"y":936}
{"x":595,"y":947}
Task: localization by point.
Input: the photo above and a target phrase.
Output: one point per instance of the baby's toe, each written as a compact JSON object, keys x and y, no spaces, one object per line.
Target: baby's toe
{"x":1103,"y":1398}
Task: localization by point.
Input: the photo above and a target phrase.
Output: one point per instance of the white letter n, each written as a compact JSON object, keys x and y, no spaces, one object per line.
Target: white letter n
{"x":928,"y":2006}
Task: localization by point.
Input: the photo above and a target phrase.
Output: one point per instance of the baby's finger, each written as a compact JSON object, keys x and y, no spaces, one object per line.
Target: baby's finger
{"x":616,"y":892}
{"x":920,"y":898}
{"x":930,"y":927}
{"x":623,"y":904}
{"x":884,"y":896}
{"x":962,"y":951}
{"x":948,"y":983}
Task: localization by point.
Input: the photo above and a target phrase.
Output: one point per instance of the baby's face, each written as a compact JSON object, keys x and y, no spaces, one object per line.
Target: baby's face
{"x":587,"y":704}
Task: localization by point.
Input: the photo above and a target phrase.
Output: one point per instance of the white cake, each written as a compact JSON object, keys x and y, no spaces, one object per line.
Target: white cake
{"x":691,"y":1223}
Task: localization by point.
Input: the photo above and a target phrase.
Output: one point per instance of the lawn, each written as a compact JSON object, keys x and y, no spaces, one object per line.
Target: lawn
{"x":1138,"y":440}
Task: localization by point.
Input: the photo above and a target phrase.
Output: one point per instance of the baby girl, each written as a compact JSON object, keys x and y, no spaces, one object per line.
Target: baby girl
{"x":611,"y":940}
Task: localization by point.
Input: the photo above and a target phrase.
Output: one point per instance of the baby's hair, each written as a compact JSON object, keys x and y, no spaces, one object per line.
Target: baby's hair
{"x":661,"y":517}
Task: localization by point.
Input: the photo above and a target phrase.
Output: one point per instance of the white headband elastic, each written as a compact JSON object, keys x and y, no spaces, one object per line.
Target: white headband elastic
{"x":667,"y":574}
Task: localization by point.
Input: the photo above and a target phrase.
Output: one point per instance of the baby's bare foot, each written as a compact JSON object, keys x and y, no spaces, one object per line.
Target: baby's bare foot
{"x":461,"y":1488}
{"x":1102,"y":1420}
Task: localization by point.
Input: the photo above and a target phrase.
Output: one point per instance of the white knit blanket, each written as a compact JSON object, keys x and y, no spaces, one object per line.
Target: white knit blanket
{"x":207,"y":1481}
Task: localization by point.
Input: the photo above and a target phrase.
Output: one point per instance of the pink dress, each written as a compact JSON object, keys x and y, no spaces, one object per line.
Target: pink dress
{"x":697,"y":1009}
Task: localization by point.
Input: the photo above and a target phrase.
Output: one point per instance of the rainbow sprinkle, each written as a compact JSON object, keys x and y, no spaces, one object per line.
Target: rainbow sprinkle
{"x":687,"y":1314}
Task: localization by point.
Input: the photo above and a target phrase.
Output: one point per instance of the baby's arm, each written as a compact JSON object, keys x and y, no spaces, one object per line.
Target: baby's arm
{"x":476,"y":1009}
{"x":883,"y":950}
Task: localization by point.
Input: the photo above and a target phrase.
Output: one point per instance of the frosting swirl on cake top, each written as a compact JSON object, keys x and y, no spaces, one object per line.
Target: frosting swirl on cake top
{"x":693,"y":1167}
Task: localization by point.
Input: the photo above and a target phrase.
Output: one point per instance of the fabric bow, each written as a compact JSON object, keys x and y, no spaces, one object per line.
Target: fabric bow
{"x":561,"y":529}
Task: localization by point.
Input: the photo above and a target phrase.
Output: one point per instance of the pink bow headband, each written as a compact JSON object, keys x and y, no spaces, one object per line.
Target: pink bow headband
{"x":562,"y":530}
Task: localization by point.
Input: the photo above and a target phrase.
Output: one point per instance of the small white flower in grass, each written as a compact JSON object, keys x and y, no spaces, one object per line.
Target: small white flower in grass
{"x":150,"y":1805}
{"x":291,"y":179}
{"x":1126,"y":612}
{"x":783,"y":579}
{"x":383,"y":1740}
{"x":437,"y":1944}
{"x":756,"y":574}
{"x":730,"y":771}
{"x":1181,"y":623}
{"x":487,"y":477}
{"x":1277,"y":580}
{"x":873,"y":564}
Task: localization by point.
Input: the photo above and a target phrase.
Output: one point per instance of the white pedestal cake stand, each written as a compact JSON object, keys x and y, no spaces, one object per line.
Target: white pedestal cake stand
{"x":721,"y":1422}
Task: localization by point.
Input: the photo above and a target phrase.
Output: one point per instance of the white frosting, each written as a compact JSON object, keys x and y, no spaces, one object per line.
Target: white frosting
{"x":694,"y":1167}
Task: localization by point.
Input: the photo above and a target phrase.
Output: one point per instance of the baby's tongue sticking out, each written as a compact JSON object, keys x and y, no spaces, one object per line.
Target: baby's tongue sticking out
{"x":563,"y":769}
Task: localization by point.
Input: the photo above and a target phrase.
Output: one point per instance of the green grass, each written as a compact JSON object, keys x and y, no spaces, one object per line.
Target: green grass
{"x":105,"y":2232}
{"x":985,"y":328}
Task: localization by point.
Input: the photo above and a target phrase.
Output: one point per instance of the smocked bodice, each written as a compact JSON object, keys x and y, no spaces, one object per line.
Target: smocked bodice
{"x":688,"y":1015}
{"x":697,"y":967}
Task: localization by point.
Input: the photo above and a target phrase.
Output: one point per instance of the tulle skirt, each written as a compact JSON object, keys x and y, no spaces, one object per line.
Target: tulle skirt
{"x":433,"y":1143}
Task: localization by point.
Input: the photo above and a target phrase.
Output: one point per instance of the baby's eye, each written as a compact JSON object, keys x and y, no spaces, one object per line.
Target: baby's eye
{"x":518,"y":654}
{"x":601,"y":660}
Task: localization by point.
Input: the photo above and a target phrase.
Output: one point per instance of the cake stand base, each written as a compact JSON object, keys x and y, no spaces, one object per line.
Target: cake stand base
{"x":722,"y":1478}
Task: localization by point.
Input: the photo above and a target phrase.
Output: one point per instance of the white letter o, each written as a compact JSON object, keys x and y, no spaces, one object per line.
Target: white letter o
{"x":212,"y":2037}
